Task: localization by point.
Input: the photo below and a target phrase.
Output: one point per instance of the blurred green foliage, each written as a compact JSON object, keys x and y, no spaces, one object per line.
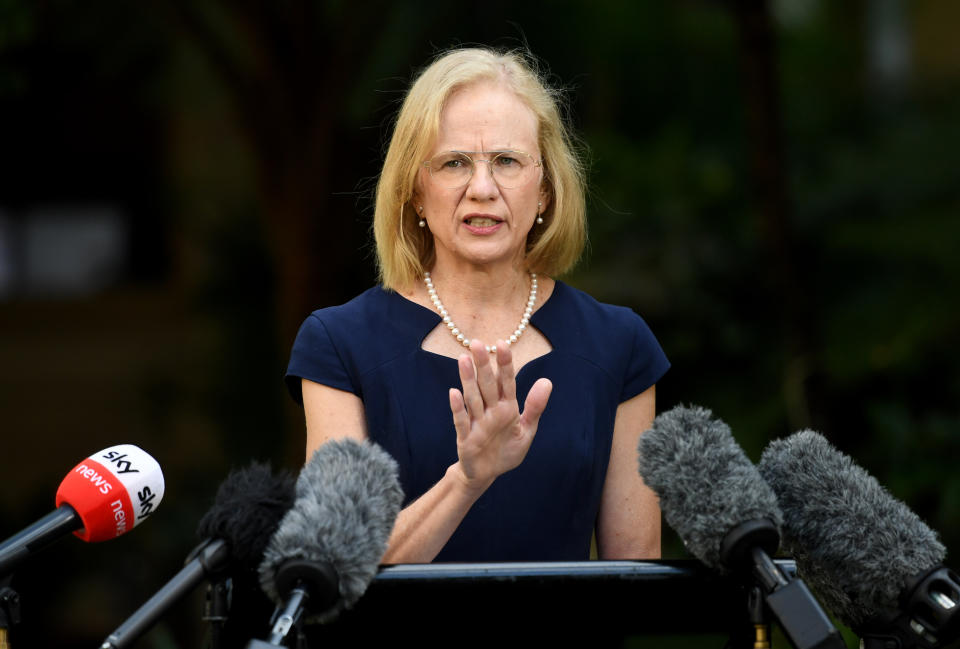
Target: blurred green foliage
{"x":226,"y":129}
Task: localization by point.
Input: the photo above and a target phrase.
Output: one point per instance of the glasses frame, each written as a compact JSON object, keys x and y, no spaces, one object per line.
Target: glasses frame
{"x":473,"y":165}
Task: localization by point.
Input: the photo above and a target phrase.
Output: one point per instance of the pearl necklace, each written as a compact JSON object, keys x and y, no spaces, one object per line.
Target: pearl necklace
{"x":463,"y":340}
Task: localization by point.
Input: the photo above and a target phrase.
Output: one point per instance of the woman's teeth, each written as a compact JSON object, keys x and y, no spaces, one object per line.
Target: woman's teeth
{"x":481,"y":221}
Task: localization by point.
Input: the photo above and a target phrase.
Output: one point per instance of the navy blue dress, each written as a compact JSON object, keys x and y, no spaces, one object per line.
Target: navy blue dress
{"x":543,"y":510}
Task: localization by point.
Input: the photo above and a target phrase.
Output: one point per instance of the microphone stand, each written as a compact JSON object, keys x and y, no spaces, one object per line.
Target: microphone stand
{"x":305,"y":586}
{"x":759,"y":619}
{"x":59,"y":522}
{"x":289,"y":618}
{"x":216,"y":610}
{"x":205,"y":559}
{"x":753,"y":632}
{"x":748,"y":547}
{"x":9,"y":609}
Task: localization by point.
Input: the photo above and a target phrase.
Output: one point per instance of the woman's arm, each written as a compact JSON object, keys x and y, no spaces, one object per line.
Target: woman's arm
{"x":628,"y":526}
{"x":331,"y":414}
{"x":424,"y":526}
{"x":492,"y":438}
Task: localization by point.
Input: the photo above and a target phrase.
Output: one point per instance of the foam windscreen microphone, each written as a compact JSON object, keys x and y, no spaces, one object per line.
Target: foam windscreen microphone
{"x":247,"y":509}
{"x":871,"y":559}
{"x":106,"y":495}
{"x":726,"y":514}
{"x":330,"y":543}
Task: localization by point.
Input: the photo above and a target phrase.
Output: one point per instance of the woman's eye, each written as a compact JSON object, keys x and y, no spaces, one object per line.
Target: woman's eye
{"x":507,"y":161}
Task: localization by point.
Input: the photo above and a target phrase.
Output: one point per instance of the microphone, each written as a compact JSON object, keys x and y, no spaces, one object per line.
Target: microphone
{"x":871,"y":559}
{"x":106,"y":495}
{"x":329,"y":545}
{"x":726,"y":515}
{"x":246,"y":512}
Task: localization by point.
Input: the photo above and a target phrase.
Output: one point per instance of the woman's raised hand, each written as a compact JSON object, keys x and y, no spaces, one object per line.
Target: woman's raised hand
{"x":493,"y":436}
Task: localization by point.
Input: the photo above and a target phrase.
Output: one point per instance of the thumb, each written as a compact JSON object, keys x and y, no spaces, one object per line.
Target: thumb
{"x":536,"y":402}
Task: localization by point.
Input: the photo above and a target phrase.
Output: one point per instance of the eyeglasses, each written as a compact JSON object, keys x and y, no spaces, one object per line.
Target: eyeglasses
{"x":510,"y":169}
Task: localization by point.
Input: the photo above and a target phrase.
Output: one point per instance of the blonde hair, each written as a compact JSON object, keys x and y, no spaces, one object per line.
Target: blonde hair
{"x":405,"y":250}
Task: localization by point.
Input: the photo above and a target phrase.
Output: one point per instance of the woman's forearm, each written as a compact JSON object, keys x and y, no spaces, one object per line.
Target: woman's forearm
{"x":425,"y":525}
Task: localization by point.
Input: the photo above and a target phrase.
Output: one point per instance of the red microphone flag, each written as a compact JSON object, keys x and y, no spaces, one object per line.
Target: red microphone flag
{"x":112,"y":491}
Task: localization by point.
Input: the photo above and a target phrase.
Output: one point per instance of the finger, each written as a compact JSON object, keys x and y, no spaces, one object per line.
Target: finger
{"x":505,"y":374}
{"x":536,"y":403}
{"x":486,"y":381}
{"x":468,"y":380}
{"x":461,"y":418}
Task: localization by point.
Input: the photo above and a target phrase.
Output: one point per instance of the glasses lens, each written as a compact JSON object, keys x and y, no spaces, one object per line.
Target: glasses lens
{"x":509,"y":168}
{"x":451,"y":169}
{"x":512,"y":168}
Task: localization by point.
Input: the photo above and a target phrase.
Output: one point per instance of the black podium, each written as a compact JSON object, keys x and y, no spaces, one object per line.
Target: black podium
{"x":589,"y":604}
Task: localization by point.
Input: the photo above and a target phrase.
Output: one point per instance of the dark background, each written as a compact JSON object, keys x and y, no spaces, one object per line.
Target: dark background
{"x":774,"y":187}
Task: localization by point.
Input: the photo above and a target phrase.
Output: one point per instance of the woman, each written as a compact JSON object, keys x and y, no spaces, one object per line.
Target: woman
{"x":481,"y":201}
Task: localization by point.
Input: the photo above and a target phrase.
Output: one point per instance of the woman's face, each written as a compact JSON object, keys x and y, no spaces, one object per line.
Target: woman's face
{"x":482,"y":222}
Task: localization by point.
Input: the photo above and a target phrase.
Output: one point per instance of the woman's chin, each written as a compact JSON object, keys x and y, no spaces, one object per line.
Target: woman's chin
{"x":486,"y":254}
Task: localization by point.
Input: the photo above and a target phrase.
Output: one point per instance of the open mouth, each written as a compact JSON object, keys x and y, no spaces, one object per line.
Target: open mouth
{"x":481,"y":221}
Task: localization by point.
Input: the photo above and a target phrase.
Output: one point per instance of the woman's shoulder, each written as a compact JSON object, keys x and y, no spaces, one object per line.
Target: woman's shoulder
{"x":612,"y":337}
{"x":337,"y":345}
{"x":356,"y":311}
{"x":576,"y":306}
{"x":331,"y":336}
{"x":375,"y":318}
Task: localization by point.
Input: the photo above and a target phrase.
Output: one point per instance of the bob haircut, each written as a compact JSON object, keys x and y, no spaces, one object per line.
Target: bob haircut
{"x":405,"y":250}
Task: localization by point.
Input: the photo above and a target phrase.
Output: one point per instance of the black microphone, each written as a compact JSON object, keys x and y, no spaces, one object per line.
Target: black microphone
{"x":727,"y":516}
{"x":329,"y":545}
{"x":871,"y":559}
{"x":246,"y":512}
{"x":106,"y":495}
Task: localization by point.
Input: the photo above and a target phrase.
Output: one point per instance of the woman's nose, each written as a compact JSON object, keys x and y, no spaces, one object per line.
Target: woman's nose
{"x":482,"y":183}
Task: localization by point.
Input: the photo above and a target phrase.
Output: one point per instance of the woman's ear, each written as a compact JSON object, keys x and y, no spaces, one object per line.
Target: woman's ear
{"x":545,"y":196}
{"x":416,"y":198}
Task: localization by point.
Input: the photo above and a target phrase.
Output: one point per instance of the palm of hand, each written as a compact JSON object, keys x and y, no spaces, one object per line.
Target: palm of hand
{"x":493,"y":436}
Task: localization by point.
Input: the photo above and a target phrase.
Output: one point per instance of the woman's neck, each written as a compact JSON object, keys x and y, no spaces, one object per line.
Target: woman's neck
{"x":486,"y":286}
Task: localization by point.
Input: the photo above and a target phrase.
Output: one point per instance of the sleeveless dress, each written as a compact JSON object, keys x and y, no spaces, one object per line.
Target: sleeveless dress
{"x":543,"y":510}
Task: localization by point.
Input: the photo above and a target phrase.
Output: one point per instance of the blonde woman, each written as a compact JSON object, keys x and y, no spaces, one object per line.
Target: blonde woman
{"x":480,"y":204}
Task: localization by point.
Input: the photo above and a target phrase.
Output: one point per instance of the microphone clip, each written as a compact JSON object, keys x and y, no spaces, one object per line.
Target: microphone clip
{"x":928,"y":616}
{"x":747,"y":549}
{"x":738,"y":545}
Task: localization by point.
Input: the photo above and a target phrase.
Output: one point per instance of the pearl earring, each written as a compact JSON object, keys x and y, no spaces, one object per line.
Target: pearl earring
{"x":539,"y":206}
{"x":422,"y":223}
